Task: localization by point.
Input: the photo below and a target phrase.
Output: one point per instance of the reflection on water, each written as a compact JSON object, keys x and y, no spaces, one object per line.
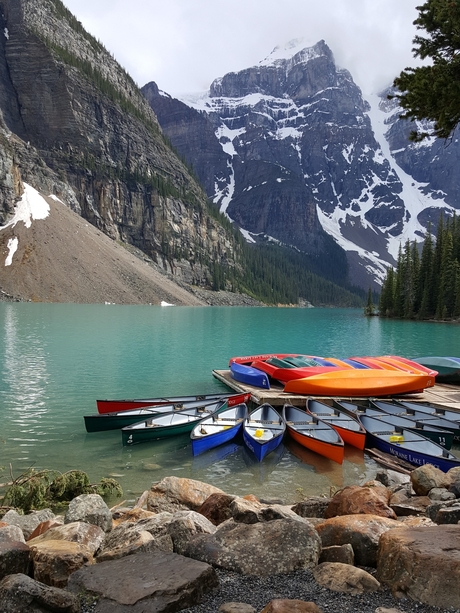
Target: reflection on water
{"x":55,"y":360}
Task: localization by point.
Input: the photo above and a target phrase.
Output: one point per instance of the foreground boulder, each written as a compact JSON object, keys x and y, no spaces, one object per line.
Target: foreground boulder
{"x":266,"y":548}
{"x":422,"y":564}
{"x":54,"y":561}
{"x":145,"y":582}
{"x":21,"y":594}
{"x":361,"y":531}
{"x":173,"y":494}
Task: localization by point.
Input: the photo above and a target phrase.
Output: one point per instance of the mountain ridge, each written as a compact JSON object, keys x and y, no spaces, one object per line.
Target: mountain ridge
{"x":298,"y":111}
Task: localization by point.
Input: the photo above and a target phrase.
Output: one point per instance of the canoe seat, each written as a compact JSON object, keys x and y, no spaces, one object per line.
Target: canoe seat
{"x":262,"y":421}
{"x":301,"y":423}
{"x":149,"y":424}
{"x":383,"y":432}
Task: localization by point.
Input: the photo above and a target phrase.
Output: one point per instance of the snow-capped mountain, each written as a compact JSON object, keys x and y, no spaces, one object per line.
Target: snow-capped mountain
{"x":289,"y":149}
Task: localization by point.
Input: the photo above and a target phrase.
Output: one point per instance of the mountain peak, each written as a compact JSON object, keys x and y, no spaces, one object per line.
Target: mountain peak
{"x":297,"y":49}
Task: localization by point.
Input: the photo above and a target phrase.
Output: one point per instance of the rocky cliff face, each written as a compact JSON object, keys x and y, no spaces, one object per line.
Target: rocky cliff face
{"x":75,"y":125}
{"x":300,"y":157}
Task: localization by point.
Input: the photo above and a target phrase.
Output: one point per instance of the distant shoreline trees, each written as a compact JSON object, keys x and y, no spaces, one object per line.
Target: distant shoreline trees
{"x":426,"y":285}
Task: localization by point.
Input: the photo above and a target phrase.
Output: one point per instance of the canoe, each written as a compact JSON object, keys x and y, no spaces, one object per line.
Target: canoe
{"x":115,"y":406}
{"x":283,"y":371}
{"x":432,"y":410}
{"x":166,"y":425}
{"x":369,"y":382}
{"x":409,"y":363}
{"x":439,"y":421}
{"x":313,"y":433}
{"x":448,"y":367}
{"x":218,"y":429}
{"x":372,"y":362}
{"x":249,"y":359}
{"x":249,"y":375}
{"x":338,"y":363}
{"x":100,"y":422}
{"x":263,"y":430}
{"x":347,"y":426}
{"x":425,"y":428}
{"x":407,"y":445}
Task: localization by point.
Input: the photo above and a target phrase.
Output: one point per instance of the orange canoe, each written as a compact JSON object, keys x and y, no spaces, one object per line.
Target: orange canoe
{"x":349,"y":428}
{"x":370,"y":382}
{"x":313,"y":433}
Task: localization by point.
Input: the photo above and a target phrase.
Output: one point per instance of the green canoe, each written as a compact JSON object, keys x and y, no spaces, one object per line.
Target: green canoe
{"x":168,"y":424}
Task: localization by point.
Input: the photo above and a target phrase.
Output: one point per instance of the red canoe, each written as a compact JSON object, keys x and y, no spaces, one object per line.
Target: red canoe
{"x":116,"y":406}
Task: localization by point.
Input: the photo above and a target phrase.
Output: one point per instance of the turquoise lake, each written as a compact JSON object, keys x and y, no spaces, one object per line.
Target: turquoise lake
{"x":57,"y":359}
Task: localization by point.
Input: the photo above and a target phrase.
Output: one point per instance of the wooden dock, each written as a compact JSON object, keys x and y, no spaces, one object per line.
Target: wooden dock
{"x":442,"y":394}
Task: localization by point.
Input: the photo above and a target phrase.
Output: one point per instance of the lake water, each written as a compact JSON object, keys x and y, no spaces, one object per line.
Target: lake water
{"x":56,"y":359}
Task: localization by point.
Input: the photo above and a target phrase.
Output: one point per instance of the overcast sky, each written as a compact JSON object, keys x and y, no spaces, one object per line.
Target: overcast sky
{"x":183,"y":45}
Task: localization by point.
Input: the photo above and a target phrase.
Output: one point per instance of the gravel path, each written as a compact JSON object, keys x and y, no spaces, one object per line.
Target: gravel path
{"x":300,"y":585}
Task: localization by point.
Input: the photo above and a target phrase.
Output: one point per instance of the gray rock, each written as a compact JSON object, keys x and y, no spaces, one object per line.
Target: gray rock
{"x":11,"y":533}
{"x":148,"y":534}
{"x":314,"y":506}
{"x":21,"y":594}
{"x":14,"y":558}
{"x":440,"y":493}
{"x":449,"y":515}
{"x":391,"y":478}
{"x":265,"y":548}
{"x":28,"y":522}
{"x":184,"y":525}
{"x":89,"y":508}
{"x":145,"y":582}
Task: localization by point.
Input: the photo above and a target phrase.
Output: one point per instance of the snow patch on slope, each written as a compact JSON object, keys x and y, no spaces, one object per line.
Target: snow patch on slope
{"x":415,"y":201}
{"x":31,"y":206}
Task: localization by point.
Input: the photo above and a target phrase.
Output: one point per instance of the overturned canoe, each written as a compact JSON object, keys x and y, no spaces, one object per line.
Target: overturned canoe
{"x":360,"y":383}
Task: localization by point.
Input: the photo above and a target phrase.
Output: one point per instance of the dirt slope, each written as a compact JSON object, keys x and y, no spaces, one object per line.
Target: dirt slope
{"x":64,"y":259}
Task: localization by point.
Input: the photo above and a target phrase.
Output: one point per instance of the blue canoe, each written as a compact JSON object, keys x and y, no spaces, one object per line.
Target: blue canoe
{"x":407,"y":445}
{"x":249,"y":375}
{"x":218,"y":429}
{"x":422,"y":414}
{"x":263,"y":430}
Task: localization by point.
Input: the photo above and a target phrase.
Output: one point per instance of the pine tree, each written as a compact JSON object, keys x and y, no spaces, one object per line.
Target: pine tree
{"x":433,"y":91}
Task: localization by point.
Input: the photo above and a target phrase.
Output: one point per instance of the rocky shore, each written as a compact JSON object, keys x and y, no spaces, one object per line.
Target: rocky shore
{"x":389,"y":545}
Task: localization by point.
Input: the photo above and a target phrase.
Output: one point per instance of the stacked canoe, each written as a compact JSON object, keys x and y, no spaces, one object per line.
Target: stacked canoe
{"x":318,"y":376}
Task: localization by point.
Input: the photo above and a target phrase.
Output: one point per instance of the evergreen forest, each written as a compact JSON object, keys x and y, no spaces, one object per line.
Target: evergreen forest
{"x":426,"y":285}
